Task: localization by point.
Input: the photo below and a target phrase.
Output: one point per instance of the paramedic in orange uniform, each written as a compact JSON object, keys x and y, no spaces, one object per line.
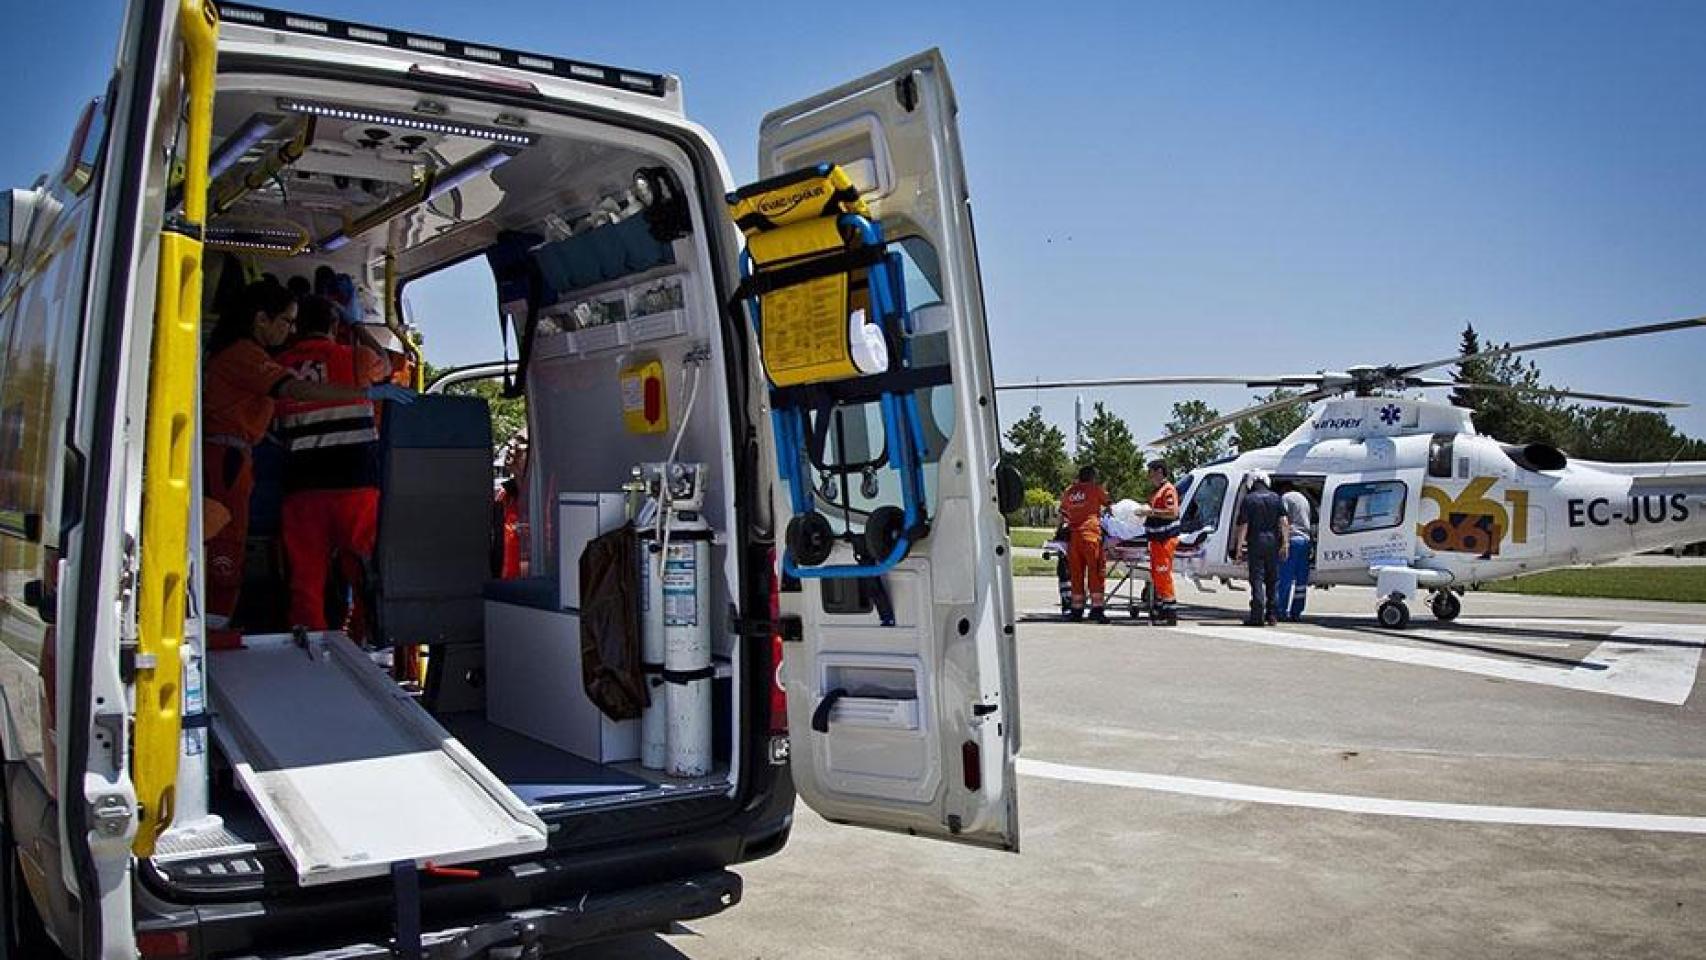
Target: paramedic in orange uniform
{"x":240,"y":384}
{"x":1161,"y":519}
{"x":506,"y":510}
{"x":1081,"y":509}
{"x":331,"y":455}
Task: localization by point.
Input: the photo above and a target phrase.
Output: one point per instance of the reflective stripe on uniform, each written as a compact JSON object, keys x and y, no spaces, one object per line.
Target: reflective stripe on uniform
{"x":346,"y":411}
{"x":342,"y":425}
{"x":316,"y":441}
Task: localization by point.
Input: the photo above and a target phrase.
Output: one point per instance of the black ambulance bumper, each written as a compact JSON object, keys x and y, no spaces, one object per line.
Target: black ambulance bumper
{"x":537,"y":931}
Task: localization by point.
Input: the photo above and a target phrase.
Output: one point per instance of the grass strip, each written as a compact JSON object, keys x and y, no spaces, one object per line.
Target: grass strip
{"x":1680,"y":584}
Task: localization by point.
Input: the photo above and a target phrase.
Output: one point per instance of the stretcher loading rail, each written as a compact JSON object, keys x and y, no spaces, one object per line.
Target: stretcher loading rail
{"x":350,"y":774}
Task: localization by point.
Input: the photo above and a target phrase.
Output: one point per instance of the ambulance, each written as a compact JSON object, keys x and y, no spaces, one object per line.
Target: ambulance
{"x":815,"y":438}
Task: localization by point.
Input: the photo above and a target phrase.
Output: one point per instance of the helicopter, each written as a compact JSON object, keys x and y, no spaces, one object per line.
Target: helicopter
{"x":1410,"y":498}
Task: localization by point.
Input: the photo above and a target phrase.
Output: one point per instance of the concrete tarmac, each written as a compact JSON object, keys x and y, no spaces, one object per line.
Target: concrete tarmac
{"x":1152,"y":826}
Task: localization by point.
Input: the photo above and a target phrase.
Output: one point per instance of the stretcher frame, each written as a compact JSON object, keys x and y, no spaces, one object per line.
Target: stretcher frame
{"x":1128,"y":561}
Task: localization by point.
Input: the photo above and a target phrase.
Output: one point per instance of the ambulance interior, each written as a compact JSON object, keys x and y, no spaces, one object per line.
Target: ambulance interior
{"x":603,"y":289}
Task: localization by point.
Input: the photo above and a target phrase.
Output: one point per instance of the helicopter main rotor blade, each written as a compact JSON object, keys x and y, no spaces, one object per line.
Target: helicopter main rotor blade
{"x":1244,"y":414}
{"x":1613,"y":334}
{"x":1576,"y":394}
{"x":1284,"y":380}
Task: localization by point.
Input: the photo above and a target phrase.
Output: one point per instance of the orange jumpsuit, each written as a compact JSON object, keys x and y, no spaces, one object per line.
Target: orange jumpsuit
{"x":238,"y":387}
{"x":1081,"y":506}
{"x":1161,"y":543}
{"x":331,"y":474}
{"x":508,"y":504}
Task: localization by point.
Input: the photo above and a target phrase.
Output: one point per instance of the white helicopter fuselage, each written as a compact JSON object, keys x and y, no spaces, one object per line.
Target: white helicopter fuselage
{"x":1402,"y":484}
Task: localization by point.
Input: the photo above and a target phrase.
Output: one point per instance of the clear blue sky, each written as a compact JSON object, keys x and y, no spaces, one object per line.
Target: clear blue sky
{"x":1212,"y":187}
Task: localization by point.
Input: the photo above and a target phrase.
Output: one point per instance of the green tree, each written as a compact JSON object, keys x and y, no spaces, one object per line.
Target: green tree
{"x":1038,"y":451}
{"x":1618,"y":434}
{"x":1041,"y":509}
{"x":1519,"y":416}
{"x":1267,"y":429}
{"x":1109,"y":447}
{"x":1470,"y":369}
{"x":1194,"y":451}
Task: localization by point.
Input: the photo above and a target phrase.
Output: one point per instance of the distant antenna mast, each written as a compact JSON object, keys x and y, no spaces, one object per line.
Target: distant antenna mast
{"x":1077,"y":425}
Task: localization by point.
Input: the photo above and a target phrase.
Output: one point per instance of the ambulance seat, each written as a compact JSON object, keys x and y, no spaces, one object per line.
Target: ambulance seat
{"x":264,"y":604}
{"x":435,"y":515}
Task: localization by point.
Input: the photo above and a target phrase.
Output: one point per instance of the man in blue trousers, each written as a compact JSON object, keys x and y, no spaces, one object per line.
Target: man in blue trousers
{"x":1293,"y":588}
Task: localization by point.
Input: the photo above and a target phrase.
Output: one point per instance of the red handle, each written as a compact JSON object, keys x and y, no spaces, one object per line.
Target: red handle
{"x":450,"y":873}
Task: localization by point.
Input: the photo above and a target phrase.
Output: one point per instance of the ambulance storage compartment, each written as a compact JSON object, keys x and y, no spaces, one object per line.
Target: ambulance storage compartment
{"x":602,"y":267}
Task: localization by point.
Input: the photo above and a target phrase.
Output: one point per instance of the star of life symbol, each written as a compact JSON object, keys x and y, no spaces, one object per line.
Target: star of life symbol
{"x":1390,"y":414}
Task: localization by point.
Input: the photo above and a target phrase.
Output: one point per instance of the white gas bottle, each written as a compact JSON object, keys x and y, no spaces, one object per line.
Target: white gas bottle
{"x":686,"y":603}
{"x":654,"y":725}
{"x":681,"y":595}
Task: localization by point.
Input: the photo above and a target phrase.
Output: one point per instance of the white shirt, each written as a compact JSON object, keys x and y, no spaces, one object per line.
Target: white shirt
{"x":1297,"y":512}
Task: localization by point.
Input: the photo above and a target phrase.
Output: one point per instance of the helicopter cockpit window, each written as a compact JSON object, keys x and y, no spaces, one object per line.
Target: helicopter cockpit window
{"x":1368,"y":506}
{"x":1439,"y":455}
{"x":1203,"y":509}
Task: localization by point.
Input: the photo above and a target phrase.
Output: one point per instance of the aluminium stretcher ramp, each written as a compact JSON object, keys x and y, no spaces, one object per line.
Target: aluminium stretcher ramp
{"x":350,"y":774}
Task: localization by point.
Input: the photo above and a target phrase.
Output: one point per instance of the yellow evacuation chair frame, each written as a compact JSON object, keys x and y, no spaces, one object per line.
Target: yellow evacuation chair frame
{"x":169,"y":450}
{"x":790,"y":221}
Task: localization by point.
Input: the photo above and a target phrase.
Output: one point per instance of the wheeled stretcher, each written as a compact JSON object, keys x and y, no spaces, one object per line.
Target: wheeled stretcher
{"x":1126,"y":561}
{"x":824,"y":293}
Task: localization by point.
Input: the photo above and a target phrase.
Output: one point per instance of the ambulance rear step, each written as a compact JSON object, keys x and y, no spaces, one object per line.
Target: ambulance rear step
{"x":349,"y":773}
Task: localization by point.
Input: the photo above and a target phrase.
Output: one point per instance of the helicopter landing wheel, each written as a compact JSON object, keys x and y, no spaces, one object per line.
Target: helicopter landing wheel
{"x":1393,"y":614}
{"x":1446,"y":605}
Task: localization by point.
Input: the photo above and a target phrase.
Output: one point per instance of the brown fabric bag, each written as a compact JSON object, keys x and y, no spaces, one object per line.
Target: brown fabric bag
{"x":610,"y":628}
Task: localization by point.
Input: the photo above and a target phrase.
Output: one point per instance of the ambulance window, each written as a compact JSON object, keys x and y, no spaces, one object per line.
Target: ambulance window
{"x":858,"y":439}
{"x":1368,"y":506}
{"x":1203,"y":510}
{"x":455,"y":310}
{"x":921,"y":272}
{"x":853,"y":471}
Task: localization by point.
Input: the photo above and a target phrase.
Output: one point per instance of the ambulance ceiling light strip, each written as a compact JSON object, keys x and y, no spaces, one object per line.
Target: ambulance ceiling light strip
{"x":445,"y":127}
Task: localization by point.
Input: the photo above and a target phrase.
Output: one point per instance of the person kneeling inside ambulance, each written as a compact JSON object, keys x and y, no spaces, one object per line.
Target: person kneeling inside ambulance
{"x":241,"y":385}
{"x":331,"y":455}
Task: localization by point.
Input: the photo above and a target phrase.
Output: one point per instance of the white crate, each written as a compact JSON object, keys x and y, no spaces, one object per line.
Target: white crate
{"x":607,"y":336}
{"x":553,"y":345}
{"x":658,"y":326}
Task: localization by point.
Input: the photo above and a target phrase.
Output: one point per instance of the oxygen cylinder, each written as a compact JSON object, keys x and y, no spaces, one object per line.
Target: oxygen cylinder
{"x":654,"y":723}
{"x":684,"y":592}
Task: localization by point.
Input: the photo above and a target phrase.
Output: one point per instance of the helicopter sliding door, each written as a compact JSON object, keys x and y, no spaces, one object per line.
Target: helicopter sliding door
{"x":1367,"y":520}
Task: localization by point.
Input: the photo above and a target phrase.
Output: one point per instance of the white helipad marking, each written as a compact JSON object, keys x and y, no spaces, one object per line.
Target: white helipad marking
{"x":1621,"y":666}
{"x":1342,"y":803}
{"x":1482,"y":639}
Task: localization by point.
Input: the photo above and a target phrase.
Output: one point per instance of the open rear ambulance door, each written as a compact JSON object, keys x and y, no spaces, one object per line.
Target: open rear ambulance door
{"x":912,"y":727}
{"x":118,"y":763}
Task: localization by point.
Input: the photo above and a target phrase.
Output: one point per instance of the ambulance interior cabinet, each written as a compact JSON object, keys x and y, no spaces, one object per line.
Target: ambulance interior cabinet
{"x":534,"y":686}
{"x":582,"y":518}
